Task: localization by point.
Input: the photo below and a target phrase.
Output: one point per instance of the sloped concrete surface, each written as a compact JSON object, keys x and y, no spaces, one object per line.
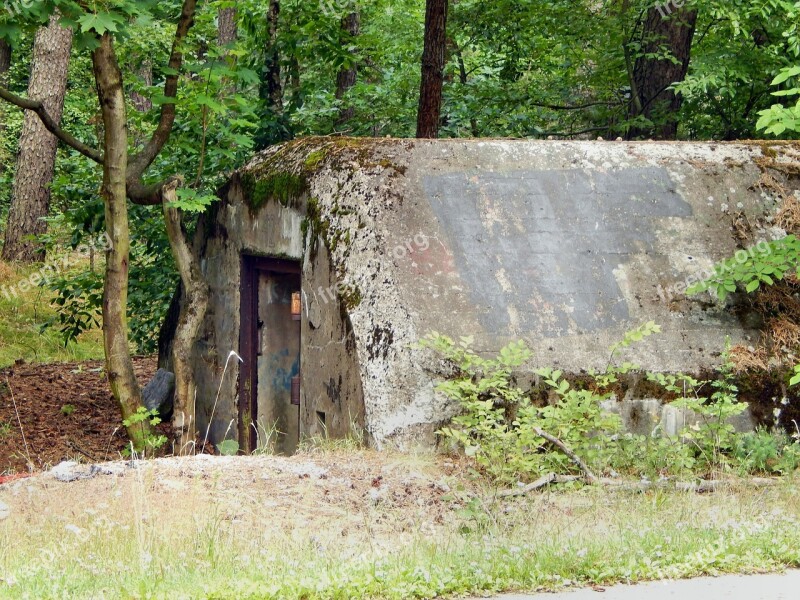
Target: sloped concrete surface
{"x":784,"y":586}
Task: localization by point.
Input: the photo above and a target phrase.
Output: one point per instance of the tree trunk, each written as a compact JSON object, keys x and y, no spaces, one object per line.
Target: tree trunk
{"x":30,"y":200}
{"x":227,"y":26}
{"x":272,"y":89}
{"x":347,"y":76}
{"x":5,"y":62}
{"x":145,"y":73}
{"x":192,"y":313}
{"x":463,"y":78}
{"x":119,"y":365}
{"x":650,"y":97}
{"x":433,"y":61}
{"x":5,"y":65}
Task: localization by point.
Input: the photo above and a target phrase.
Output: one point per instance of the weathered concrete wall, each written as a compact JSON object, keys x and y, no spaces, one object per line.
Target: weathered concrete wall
{"x":235,"y":229}
{"x":566,"y":245}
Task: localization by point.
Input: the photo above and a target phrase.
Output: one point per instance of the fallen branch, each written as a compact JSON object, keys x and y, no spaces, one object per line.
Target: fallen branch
{"x":590,"y":477}
{"x":538,"y":484}
{"x":698,"y":487}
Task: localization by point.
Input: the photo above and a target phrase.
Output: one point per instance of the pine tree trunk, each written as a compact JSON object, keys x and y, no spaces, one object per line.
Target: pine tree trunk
{"x":346,"y":78}
{"x":227,"y":26}
{"x":119,"y":365}
{"x":5,"y":65}
{"x":5,"y":62}
{"x":652,"y":76}
{"x":30,"y":200}
{"x":145,"y":73}
{"x":433,"y":62}
{"x":273,"y":90}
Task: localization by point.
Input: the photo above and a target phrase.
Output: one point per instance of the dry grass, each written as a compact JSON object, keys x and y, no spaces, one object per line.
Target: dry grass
{"x":7,"y":272}
{"x":22,"y":315}
{"x":362,"y":524}
{"x":744,"y":359}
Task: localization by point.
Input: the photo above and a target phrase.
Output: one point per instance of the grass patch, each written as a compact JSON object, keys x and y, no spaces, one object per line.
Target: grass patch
{"x":22,"y":313}
{"x":263,"y":538}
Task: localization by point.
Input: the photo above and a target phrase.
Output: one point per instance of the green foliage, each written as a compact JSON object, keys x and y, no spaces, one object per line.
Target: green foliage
{"x":713,"y":436}
{"x":765,"y":263}
{"x":79,"y":297}
{"x":67,"y":409}
{"x":778,"y":119}
{"x":152,"y":277}
{"x":795,"y":379}
{"x":228,"y":448}
{"x":767,"y":452}
{"x":498,"y":420}
{"x":152,"y":441}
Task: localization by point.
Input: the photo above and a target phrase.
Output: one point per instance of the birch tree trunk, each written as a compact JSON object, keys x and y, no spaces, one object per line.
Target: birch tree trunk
{"x":30,"y":200}
{"x":192,"y":313}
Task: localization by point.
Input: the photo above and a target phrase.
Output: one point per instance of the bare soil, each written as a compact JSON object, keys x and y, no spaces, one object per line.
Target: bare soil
{"x":66,"y":412}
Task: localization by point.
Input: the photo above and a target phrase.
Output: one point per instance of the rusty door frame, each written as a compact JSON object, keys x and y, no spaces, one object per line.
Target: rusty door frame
{"x":251,"y":269}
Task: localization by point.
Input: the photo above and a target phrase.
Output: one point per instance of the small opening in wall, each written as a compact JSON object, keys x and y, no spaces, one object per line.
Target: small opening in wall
{"x":321,"y":418}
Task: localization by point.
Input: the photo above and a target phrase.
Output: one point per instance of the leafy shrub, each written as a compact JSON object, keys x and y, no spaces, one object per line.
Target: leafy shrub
{"x":713,"y":435}
{"x":767,"y":452}
{"x":765,"y":263}
{"x":153,"y":441}
{"x":779,"y":119}
{"x":499,"y":420}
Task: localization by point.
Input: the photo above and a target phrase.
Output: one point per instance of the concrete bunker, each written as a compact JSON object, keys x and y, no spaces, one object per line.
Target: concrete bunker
{"x":329,"y":258}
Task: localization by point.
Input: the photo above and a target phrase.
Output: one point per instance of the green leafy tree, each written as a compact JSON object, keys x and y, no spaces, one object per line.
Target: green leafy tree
{"x":136,"y":168}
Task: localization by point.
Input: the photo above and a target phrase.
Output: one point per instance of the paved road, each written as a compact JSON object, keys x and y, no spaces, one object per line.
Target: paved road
{"x":730,"y":587}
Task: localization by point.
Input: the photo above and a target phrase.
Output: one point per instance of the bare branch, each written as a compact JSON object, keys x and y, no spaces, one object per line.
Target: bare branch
{"x":149,"y":195}
{"x":571,"y":107}
{"x":37,"y":107}
{"x":589,"y":476}
{"x":572,"y":133}
{"x":538,"y":484}
{"x":139,"y":163}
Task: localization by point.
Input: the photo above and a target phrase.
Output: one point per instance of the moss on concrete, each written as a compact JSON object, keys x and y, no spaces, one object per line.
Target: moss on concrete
{"x":281,"y":186}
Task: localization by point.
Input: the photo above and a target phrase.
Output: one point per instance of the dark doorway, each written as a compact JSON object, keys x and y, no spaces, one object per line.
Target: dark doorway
{"x":269,"y":406}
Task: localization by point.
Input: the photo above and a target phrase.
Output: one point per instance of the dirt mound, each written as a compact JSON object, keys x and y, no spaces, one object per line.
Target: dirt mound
{"x":66,"y":411}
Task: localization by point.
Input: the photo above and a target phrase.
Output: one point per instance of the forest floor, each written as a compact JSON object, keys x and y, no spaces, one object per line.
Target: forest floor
{"x":55,"y":412}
